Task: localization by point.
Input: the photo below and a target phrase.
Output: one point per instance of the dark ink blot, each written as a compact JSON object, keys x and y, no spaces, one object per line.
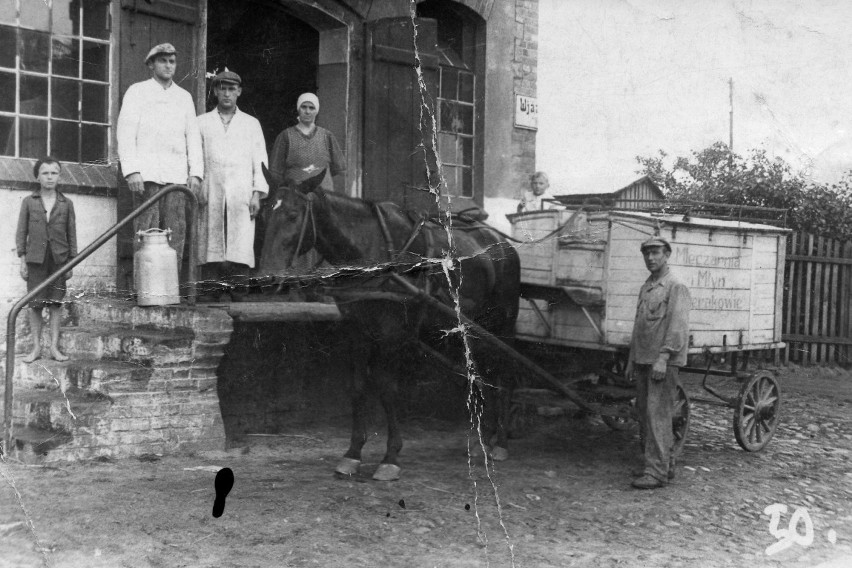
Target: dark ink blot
{"x":402,"y":503}
{"x":223,"y":484}
{"x":467,"y":506}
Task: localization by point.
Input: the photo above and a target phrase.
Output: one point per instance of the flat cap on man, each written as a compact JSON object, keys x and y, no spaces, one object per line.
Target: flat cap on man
{"x":227,"y":77}
{"x":163,"y":48}
{"x":656,"y":241}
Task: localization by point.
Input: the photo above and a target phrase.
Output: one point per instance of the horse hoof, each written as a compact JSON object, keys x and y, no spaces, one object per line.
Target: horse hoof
{"x":386,"y":472}
{"x":499,"y":454}
{"x":347,"y":466}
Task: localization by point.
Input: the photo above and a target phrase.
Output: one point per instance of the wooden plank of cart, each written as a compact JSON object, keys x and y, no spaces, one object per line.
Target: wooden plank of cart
{"x":581,"y":272}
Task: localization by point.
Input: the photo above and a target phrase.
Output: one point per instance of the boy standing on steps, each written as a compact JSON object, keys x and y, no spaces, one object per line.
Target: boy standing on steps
{"x":46,"y":239}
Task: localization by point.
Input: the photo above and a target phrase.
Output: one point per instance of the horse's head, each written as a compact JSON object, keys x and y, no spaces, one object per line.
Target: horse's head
{"x":289,"y":221}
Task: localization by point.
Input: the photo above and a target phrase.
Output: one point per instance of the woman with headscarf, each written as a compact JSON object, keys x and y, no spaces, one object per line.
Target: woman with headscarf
{"x":302,"y":150}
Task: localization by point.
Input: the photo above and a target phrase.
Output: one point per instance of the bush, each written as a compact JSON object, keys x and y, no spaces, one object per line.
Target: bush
{"x":718,"y":175}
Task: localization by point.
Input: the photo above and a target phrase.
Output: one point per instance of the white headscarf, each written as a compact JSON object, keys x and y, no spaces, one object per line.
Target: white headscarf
{"x":308,"y":97}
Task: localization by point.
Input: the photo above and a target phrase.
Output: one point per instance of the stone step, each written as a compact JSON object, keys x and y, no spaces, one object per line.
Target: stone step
{"x":141,"y":344}
{"x":108,"y":377}
{"x":32,"y":445}
{"x":54,"y":410}
{"x":140,"y":380}
{"x":104,"y":376}
{"x":51,"y":426}
{"x":45,"y":374}
{"x":212,"y":324}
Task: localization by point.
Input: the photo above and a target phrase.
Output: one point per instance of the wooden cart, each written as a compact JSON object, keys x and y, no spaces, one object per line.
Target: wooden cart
{"x":581,"y":274}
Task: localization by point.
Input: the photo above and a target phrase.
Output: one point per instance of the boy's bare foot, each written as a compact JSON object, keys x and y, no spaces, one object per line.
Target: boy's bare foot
{"x":56,"y":354}
{"x":34,"y":354}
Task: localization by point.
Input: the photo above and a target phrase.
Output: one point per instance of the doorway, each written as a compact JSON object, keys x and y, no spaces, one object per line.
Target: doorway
{"x":275,"y":54}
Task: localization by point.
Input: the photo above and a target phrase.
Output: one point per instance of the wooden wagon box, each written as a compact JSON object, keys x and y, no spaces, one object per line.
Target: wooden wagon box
{"x":581,"y":274}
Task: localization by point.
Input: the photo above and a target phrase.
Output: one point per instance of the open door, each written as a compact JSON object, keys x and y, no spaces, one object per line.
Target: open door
{"x":398,"y":158}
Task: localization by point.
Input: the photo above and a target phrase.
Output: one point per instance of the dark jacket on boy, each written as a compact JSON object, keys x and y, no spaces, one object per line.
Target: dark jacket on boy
{"x":36,"y":234}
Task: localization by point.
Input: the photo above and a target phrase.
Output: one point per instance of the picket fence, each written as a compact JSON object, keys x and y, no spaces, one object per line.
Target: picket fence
{"x":817,"y":311}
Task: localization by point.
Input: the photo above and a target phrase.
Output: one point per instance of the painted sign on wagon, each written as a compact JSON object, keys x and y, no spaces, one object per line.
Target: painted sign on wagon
{"x":731,"y":269}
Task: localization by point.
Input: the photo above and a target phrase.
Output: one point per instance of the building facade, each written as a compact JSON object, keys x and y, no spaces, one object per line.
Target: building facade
{"x":65,"y":65}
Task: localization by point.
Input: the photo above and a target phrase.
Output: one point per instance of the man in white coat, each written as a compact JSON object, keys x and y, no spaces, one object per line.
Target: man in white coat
{"x":159,"y":145}
{"x":233,"y":186}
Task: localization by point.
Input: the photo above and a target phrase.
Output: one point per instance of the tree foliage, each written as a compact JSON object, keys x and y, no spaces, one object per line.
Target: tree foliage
{"x":718,"y":175}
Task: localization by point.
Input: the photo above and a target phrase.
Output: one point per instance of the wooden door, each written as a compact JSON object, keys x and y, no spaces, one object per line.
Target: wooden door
{"x":398,"y":158}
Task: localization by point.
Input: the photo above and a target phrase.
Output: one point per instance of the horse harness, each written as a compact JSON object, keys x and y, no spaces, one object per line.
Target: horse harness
{"x":419,"y":222}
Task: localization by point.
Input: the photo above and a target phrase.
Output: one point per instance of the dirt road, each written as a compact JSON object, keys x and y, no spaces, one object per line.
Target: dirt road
{"x":563,"y":499}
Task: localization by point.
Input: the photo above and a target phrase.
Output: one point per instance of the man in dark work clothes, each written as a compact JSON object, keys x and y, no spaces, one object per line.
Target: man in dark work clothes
{"x":658,"y":349}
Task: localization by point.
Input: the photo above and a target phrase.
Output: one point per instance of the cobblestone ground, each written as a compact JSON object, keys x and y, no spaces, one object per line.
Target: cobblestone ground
{"x":564,"y":500}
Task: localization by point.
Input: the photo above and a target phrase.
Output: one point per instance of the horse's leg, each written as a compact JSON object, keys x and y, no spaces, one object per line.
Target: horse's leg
{"x":351,"y":460}
{"x":478,"y":441}
{"x":497,"y":401}
{"x":506,"y":380}
{"x":388,"y":382}
{"x":501,"y":401}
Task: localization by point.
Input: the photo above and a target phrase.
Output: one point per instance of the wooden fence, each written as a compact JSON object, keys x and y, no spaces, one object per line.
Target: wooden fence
{"x":817,"y":286}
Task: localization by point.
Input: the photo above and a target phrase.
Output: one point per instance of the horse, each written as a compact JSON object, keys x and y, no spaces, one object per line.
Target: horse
{"x":371,"y":246}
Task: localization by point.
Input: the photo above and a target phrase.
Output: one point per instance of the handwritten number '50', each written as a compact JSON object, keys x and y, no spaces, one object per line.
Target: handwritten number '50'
{"x":787,"y":536}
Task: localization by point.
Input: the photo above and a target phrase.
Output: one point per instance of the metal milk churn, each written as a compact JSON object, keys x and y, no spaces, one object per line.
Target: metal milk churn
{"x":155,"y":269}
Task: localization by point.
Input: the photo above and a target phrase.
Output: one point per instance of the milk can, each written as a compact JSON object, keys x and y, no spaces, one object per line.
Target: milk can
{"x":155,"y":269}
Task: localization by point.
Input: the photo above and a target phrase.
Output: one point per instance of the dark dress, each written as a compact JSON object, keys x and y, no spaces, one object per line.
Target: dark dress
{"x":293,"y":151}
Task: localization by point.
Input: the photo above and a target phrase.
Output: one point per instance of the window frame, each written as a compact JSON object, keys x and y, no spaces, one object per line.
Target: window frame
{"x":460,"y":166}
{"x":79,"y":42}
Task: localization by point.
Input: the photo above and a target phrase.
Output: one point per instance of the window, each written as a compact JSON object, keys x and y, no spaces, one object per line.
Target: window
{"x":459,"y":110}
{"x":54,"y":79}
{"x":456,"y":129}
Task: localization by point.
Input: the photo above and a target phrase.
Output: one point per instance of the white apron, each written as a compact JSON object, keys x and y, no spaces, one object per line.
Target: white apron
{"x":232,"y":161}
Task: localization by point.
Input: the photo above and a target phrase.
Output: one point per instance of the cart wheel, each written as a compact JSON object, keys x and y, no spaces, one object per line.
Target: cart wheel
{"x":618,"y":364}
{"x":620,"y":423}
{"x":617,"y":423}
{"x":680,"y":420}
{"x":757,"y":412}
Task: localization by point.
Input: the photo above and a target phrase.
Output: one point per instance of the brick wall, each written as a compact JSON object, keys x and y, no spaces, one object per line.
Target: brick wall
{"x":140,"y":380}
{"x":524,"y":65}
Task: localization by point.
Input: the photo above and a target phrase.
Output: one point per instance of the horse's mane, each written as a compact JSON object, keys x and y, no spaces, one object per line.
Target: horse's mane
{"x":361,"y":207}
{"x":351,"y":205}
{"x":352,"y":209}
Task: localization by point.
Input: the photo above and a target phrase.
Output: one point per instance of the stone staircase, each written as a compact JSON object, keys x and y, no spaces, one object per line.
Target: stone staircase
{"x":139,"y":380}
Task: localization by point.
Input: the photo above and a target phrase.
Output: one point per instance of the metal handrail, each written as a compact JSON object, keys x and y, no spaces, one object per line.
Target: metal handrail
{"x":100,"y":241}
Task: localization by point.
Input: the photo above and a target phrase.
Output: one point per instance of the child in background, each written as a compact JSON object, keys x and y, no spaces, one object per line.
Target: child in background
{"x":532,"y":200}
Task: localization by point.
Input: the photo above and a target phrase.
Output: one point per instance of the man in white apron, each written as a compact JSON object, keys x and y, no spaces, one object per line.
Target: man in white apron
{"x":234,"y":150}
